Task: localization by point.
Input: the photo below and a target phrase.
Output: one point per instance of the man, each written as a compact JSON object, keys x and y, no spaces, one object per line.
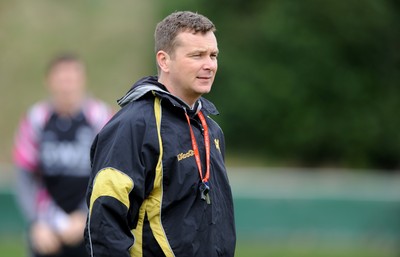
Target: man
{"x":159,"y":184}
{"x":52,"y":157}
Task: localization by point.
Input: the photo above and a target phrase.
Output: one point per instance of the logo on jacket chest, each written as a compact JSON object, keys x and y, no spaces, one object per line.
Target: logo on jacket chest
{"x":216,"y":142}
{"x":190,"y":153}
{"x":182,"y":156}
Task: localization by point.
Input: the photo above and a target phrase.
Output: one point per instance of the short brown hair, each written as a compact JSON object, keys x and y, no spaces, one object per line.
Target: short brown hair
{"x":63,"y":58}
{"x":167,"y":30}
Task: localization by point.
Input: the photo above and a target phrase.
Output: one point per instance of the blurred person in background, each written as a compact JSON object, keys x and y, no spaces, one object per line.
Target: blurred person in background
{"x":51,"y":154}
{"x":159,"y":186}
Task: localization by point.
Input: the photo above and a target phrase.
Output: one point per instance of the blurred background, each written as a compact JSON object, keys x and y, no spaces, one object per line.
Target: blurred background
{"x":308,"y":93}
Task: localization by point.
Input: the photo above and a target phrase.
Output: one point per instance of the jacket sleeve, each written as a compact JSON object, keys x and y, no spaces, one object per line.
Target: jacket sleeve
{"x":121,"y":163}
{"x":26,"y":191}
{"x":26,"y":160}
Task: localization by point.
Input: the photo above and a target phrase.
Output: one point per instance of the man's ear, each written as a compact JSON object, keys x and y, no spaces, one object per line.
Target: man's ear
{"x":163,"y":60}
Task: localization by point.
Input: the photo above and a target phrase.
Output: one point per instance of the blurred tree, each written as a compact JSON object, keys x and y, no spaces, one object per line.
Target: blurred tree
{"x":310,"y":83}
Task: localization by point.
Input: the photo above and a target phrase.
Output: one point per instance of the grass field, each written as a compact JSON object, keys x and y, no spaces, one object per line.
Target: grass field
{"x":15,"y":247}
{"x":283,"y":249}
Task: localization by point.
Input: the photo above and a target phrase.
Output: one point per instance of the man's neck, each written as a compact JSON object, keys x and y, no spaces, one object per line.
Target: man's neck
{"x":191,"y":102}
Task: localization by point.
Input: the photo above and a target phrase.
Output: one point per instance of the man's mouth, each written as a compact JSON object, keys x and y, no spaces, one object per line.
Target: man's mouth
{"x":204,"y":77}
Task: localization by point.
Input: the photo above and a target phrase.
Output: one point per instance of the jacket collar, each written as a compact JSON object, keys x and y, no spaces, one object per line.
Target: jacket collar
{"x":150,"y":84}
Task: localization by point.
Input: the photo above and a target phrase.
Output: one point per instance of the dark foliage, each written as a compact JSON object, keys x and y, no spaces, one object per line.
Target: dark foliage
{"x":309,"y":82}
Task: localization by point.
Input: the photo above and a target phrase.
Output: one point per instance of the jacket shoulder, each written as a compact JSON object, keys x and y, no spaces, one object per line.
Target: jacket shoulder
{"x":134,"y":114}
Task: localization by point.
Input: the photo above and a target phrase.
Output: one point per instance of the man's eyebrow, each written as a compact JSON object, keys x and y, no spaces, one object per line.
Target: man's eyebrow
{"x":202,"y":51}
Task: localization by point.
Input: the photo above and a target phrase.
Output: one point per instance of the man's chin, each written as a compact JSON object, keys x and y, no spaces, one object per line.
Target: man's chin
{"x":204,"y":88}
{"x":204,"y":91}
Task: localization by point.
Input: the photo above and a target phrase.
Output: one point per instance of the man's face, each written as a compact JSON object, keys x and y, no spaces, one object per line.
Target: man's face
{"x":193,"y":65}
{"x":66,"y":84}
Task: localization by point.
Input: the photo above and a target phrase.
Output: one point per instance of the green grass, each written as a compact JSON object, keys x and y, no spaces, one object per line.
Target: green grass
{"x":15,"y":247}
{"x":300,"y":251}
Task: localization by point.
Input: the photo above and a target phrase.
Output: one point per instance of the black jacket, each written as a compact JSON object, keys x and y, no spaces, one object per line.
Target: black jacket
{"x":143,"y":196}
